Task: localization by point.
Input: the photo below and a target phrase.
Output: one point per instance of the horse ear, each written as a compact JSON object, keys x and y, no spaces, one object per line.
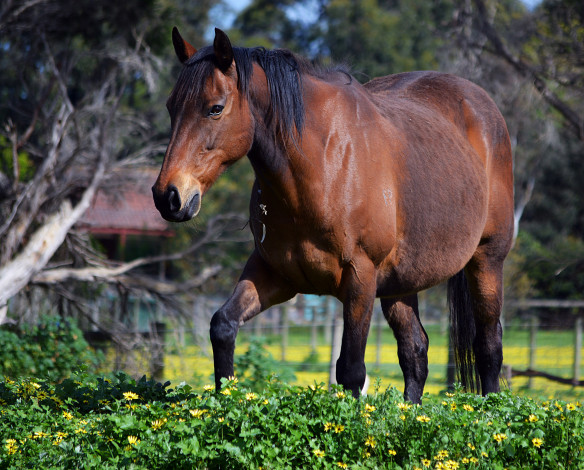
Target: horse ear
{"x":184,"y":51}
{"x":223,"y":50}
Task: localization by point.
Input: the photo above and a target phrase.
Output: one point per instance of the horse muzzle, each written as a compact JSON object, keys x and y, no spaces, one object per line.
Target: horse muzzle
{"x":171,"y":206}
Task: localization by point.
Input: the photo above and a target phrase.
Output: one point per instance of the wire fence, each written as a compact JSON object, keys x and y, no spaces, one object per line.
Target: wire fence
{"x":305,"y":334}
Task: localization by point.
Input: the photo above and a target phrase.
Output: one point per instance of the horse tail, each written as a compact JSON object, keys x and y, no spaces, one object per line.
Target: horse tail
{"x":462,"y":332}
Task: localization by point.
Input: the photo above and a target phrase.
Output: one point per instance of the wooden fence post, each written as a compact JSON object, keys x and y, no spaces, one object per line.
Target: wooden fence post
{"x":329,"y":309}
{"x":257,"y":326}
{"x":314,"y":331}
{"x":378,"y":325}
{"x":577,"y":349}
{"x":284,"y":319}
{"x":276,"y":314}
{"x":532,"y":347}
{"x":337,"y":337}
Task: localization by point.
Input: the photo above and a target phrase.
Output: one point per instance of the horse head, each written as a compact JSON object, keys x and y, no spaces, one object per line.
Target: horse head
{"x":212,"y":126}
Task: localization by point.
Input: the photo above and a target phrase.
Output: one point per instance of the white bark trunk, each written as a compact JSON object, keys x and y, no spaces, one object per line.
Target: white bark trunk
{"x":43,"y":243}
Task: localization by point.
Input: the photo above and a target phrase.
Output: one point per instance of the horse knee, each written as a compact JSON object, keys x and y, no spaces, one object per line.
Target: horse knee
{"x":223,"y":331}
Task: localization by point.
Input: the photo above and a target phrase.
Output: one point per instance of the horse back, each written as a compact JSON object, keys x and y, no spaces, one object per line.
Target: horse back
{"x":463,"y":104}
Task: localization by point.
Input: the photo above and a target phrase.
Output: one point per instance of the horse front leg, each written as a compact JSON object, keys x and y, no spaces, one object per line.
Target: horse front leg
{"x":412,"y":343}
{"x":358,"y":295}
{"x":258,"y":288}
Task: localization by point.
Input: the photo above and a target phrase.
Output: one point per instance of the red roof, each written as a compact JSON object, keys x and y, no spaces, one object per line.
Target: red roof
{"x":128,"y":210}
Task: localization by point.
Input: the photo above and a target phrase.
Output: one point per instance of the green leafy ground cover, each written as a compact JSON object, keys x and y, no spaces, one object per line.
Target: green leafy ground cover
{"x":89,"y":422}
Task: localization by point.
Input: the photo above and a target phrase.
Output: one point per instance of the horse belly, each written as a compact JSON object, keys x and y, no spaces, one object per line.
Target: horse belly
{"x":437,"y":236}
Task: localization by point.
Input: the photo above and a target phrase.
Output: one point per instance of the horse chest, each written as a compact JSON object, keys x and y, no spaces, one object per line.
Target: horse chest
{"x":310,"y":263}
{"x":302,"y":251}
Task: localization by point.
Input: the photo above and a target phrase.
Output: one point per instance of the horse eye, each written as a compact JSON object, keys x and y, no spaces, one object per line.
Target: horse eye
{"x":215,"y":110}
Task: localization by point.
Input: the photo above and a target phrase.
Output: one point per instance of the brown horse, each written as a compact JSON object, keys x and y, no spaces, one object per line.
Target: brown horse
{"x":362,"y":191}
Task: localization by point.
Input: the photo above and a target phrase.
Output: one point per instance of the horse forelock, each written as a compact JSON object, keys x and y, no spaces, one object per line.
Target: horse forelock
{"x":283,"y":70}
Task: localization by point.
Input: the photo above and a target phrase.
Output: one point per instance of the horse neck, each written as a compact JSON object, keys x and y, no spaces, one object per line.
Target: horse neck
{"x":276,"y":157}
{"x":273,"y":161}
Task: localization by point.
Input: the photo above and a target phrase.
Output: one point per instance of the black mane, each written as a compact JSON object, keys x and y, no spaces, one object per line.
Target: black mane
{"x":283,"y":71}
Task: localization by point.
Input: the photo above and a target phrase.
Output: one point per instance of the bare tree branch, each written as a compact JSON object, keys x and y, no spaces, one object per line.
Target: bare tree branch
{"x":574,"y":121}
{"x":16,"y":274}
{"x":215,"y":228}
{"x":521,"y":204}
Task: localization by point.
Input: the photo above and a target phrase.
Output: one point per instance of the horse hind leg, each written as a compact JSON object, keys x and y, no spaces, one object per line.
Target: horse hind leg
{"x":477,"y":335}
{"x":485,"y":281}
{"x":412,"y":343}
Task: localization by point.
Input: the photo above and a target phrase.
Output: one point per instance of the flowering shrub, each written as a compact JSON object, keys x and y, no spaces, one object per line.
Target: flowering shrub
{"x":120,"y":423}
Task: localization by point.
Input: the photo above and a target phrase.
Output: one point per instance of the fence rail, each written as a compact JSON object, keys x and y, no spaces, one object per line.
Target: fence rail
{"x":315,"y":324}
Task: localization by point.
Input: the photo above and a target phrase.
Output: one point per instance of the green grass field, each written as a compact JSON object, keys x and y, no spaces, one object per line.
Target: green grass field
{"x":555,"y":355}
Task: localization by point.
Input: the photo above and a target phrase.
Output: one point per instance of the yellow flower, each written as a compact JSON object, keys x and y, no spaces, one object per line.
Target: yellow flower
{"x":449,"y":395}
{"x":470,"y":446}
{"x":328,"y":426}
{"x":11,"y":446}
{"x":209,"y":388}
{"x":131,"y":396}
{"x":157,"y":424}
{"x":250,"y":396}
{"x":533,"y":418}
{"x":404,"y":406}
{"x":341,"y":394}
{"x":453,"y":407}
{"x":426,"y":462}
{"x":441,"y":455}
{"x":392,"y":452}
{"x":484,"y":454}
{"x":451,"y":465}
{"x":342,"y":465}
{"x":226,"y":391}
{"x":133,"y":440}
{"x":467,"y":408}
{"x":196,"y":413}
{"x":319,"y":453}
{"x":221,"y":419}
{"x":402,"y":417}
{"x":369,"y":408}
{"x":422,"y":419}
{"x":67,"y":415}
{"x":339,"y":428}
{"x":499,"y":437}
{"x":370,"y":442}
{"x":570,"y":407}
{"x":537,"y":442}
{"x":474,"y":460}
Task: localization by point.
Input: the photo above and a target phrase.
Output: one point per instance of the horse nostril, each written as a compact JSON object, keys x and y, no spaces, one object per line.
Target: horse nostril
{"x":173,"y":199}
